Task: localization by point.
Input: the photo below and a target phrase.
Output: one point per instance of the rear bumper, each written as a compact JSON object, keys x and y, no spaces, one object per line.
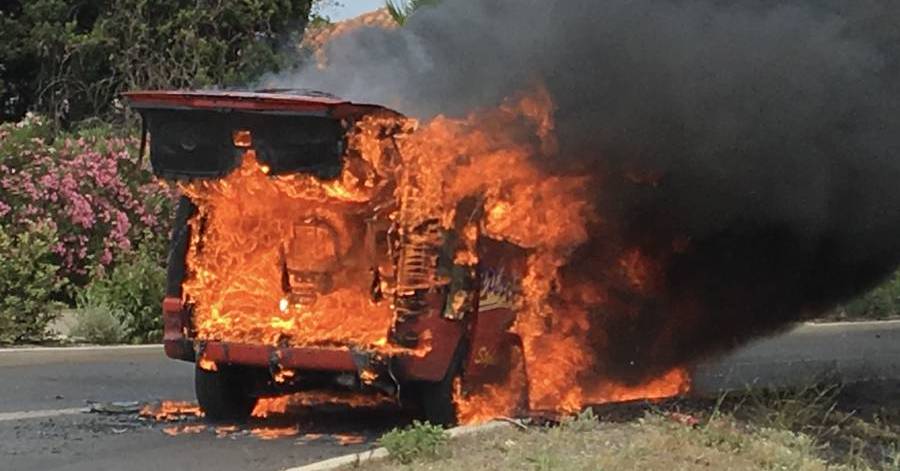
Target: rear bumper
{"x":176,"y":326}
{"x":316,"y":359}
{"x":430,"y":367}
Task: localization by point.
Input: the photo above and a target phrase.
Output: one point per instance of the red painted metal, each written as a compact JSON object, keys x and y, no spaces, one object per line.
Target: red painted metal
{"x":317,"y":359}
{"x":431,"y":367}
{"x":491,"y":341}
{"x":176,"y":325}
{"x":251,"y":101}
{"x":235,"y":353}
{"x":301,"y":358}
{"x":490,"y":346}
{"x":445,"y":337}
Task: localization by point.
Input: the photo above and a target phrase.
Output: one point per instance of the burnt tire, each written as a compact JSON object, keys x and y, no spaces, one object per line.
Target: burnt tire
{"x":224,"y":395}
{"x":436,"y":398}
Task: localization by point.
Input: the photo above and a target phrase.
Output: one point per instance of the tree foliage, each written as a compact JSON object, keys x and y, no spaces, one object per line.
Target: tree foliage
{"x":401,"y":10}
{"x":70,"y":58}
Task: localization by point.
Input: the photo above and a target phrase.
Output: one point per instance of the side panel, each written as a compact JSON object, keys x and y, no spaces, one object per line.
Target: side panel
{"x":501,"y":270}
{"x":176,"y":317}
{"x":445,"y":335}
{"x":176,"y":267}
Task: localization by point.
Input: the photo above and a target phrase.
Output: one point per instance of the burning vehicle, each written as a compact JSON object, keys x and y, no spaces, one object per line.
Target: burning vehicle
{"x":303,"y":257}
{"x":342,"y":250}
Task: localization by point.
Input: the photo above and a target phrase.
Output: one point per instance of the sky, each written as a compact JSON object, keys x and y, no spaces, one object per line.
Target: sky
{"x":350,"y":8}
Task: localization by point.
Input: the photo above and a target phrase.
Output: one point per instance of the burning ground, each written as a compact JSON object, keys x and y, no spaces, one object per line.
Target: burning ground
{"x":693,"y":173}
{"x":304,"y":418}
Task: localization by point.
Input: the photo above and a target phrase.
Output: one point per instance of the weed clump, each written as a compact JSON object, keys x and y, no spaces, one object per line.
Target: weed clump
{"x":419,"y":441}
{"x":98,"y":324}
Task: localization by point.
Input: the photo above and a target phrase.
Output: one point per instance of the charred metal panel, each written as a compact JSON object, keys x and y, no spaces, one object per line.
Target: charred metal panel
{"x":176,"y":266}
{"x":297,"y":144}
{"x":189,"y":143}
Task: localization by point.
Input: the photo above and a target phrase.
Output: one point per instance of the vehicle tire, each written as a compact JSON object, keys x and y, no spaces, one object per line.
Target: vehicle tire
{"x":224,"y":395}
{"x":436,"y":398}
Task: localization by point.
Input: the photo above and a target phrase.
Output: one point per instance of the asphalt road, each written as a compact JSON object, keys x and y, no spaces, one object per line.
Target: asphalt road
{"x":55,"y":383}
{"x":43,"y":428}
{"x":855,"y":351}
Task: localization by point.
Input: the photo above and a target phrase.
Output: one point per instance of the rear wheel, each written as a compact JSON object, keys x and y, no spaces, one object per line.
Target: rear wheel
{"x":436,"y":398}
{"x":224,"y":395}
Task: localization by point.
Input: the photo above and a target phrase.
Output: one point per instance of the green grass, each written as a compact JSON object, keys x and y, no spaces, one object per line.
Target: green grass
{"x":815,"y":428}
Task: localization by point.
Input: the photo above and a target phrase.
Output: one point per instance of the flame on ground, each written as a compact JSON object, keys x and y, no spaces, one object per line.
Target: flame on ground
{"x":274,"y":433}
{"x":270,"y":406}
{"x":171,"y":410}
{"x":176,"y":430}
{"x":346,"y":439}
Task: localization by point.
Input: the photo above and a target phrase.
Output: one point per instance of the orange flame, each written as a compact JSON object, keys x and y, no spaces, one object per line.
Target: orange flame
{"x":274,"y":433}
{"x":344,"y":439}
{"x":170,"y":410}
{"x":176,"y":430}
{"x":242,"y":258}
{"x":270,"y":406}
{"x":234,"y":283}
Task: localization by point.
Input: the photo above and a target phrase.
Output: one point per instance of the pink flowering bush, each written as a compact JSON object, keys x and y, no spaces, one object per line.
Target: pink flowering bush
{"x":87,"y":187}
{"x":79,"y":216}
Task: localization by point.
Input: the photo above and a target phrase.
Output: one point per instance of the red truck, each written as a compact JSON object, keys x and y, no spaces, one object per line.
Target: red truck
{"x":450,"y":321}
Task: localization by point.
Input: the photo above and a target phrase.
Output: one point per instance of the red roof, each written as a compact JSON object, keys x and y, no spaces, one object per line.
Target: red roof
{"x":283,"y":101}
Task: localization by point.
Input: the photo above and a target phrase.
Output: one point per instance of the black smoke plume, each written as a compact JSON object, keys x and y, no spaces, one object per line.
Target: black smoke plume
{"x":751,"y":149}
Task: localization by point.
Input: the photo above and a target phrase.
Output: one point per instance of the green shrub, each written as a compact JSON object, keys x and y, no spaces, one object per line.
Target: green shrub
{"x":28,"y":280}
{"x":880,"y":303}
{"x":418,"y":441}
{"x":133,"y":291}
{"x":99,"y":324}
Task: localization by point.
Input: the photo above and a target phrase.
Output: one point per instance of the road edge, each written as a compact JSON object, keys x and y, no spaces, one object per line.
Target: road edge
{"x":380,"y":453}
{"x":82,"y":348}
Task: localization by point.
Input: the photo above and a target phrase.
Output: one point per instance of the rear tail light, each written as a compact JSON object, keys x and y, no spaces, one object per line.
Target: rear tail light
{"x":242,"y":138}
